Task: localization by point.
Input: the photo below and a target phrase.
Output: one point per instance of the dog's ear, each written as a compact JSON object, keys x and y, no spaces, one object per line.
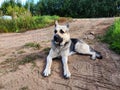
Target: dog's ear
{"x":56,"y":23}
{"x":67,"y":25}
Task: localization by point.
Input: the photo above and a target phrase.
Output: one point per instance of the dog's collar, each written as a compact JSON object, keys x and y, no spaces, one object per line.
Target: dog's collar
{"x":66,"y":43}
{"x":59,"y":43}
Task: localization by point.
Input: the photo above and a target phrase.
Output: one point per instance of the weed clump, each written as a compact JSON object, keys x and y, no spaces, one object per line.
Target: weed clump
{"x":33,"y":44}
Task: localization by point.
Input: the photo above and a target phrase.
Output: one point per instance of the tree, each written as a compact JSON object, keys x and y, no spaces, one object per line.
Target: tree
{"x":79,"y":8}
{"x":14,"y":9}
{"x":31,"y":6}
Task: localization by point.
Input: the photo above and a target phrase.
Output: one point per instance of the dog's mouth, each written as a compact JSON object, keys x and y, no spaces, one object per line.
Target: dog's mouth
{"x":58,"y":39}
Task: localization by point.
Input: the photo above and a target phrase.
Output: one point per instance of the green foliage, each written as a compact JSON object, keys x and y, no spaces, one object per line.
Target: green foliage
{"x":17,"y":11}
{"x":26,"y":23}
{"x":29,"y":5}
{"x":69,"y":8}
{"x":112,"y":36}
{"x":14,"y":9}
{"x":78,"y":8}
{"x":8,"y":3}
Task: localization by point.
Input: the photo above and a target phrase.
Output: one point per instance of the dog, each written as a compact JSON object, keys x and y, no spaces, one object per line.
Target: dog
{"x":64,"y":46}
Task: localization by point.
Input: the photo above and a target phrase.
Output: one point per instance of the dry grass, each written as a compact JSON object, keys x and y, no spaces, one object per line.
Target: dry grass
{"x":64,"y":19}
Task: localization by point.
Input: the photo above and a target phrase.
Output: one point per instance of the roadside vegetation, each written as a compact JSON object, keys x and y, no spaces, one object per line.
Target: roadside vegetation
{"x":26,"y":23}
{"x":112,"y":36}
{"x":22,"y":18}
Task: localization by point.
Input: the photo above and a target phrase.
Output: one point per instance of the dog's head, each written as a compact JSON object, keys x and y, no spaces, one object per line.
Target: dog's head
{"x":61,"y":34}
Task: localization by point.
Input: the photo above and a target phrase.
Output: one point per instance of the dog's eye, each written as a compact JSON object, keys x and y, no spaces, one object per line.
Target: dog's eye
{"x":55,"y":31}
{"x":61,"y":31}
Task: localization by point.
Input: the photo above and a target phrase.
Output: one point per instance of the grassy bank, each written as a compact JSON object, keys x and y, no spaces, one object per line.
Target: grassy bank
{"x":112,"y":36}
{"x":26,"y":23}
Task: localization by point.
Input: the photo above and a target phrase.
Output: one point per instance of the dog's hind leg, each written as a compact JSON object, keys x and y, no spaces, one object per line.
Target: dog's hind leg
{"x":84,"y":48}
{"x":97,"y":54}
{"x":93,"y":55}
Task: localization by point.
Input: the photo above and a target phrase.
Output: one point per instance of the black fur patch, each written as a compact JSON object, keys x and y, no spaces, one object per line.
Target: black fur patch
{"x":73,"y":42}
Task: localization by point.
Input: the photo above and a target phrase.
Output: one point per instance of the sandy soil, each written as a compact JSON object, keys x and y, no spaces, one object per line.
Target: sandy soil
{"x":21,"y":66}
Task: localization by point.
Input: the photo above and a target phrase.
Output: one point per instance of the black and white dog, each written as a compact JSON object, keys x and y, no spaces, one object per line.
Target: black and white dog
{"x":63,"y":45}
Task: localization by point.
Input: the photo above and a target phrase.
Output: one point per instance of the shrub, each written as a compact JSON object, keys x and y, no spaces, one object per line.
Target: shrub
{"x":26,"y":23}
{"x":112,"y":36}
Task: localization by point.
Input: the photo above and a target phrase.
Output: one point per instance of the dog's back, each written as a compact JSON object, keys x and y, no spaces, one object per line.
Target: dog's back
{"x":81,"y":47}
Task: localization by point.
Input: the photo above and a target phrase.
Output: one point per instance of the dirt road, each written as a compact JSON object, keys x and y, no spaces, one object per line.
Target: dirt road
{"x":22,"y":60}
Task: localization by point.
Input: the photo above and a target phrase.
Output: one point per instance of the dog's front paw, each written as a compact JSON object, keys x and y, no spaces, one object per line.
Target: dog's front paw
{"x":46,"y":72}
{"x":67,"y":75}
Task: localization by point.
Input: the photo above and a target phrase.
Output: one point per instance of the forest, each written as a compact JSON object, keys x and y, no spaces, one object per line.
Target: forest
{"x":63,"y":8}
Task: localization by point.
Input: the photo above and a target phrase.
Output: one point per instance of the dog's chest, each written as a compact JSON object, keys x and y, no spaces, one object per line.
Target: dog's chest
{"x":66,"y":49}
{"x":59,"y":50}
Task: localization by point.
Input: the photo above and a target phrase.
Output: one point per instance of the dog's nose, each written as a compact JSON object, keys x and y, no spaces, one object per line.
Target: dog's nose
{"x":57,"y":38}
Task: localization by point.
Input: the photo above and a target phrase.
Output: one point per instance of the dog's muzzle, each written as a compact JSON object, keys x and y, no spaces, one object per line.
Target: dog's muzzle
{"x":58,"y":39}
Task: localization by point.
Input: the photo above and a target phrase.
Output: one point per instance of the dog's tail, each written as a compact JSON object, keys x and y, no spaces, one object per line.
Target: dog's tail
{"x":98,"y":55}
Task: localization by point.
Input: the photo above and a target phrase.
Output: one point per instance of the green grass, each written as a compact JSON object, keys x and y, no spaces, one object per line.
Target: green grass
{"x":112,"y":36}
{"x":33,"y":44}
{"x":26,"y":23}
